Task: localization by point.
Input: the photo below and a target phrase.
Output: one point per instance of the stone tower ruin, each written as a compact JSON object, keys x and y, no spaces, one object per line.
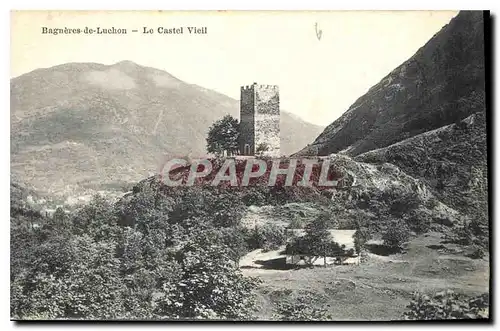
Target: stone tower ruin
{"x":260,"y":120}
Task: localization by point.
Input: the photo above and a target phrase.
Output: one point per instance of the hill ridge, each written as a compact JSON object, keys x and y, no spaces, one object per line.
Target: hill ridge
{"x":77,"y":124}
{"x":425,"y":92}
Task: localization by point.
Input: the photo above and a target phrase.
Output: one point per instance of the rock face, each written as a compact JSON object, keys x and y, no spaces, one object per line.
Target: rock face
{"x":451,"y":160}
{"x":427,"y":117}
{"x":93,"y":126}
{"x":444,"y":82}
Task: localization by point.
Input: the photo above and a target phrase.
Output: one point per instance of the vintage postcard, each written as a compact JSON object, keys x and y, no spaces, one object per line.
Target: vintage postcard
{"x":249,"y":165}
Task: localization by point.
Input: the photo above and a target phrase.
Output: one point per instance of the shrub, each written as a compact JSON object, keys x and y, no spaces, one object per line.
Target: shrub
{"x":447,"y":305}
{"x":317,"y":240}
{"x":464,"y":235}
{"x":477,"y":228}
{"x":432,"y":203}
{"x":268,"y":237}
{"x":254,"y":196}
{"x":404,"y":203}
{"x":301,"y":310}
{"x":419,"y":222}
{"x":346,"y":224}
{"x":481,"y":233}
{"x":471,"y":233}
{"x":477,"y":253}
{"x":396,"y":234}
{"x":296,"y":223}
{"x":227,"y":210}
{"x":218,"y":207}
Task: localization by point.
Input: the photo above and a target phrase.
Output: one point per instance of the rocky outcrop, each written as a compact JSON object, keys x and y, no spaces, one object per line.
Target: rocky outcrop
{"x":427,"y":117}
{"x":452,"y":161}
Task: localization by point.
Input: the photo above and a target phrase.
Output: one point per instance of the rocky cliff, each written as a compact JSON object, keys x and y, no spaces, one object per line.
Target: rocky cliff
{"x":444,"y":82}
{"x":427,"y":117}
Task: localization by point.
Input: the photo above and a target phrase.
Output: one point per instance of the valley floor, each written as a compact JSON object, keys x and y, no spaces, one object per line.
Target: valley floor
{"x":378,"y":289}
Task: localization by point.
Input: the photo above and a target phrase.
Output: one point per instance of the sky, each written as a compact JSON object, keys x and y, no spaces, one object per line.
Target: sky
{"x":318,"y":78}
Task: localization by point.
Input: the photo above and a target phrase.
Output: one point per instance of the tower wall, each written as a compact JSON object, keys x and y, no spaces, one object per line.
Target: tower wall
{"x":267,"y":118}
{"x":260,"y":119}
{"x":247,"y":120}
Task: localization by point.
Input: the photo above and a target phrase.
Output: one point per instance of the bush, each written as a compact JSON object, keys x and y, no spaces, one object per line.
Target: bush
{"x":268,"y":237}
{"x":471,"y":233}
{"x":477,"y":253}
{"x":227,"y":210}
{"x":301,"y":310}
{"x":296,"y":223}
{"x":396,"y":234}
{"x":254,"y":196}
{"x":317,"y":240}
{"x":432,"y":203}
{"x":480,"y":232}
{"x":447,"y":305}
{"x":419,"y":222}
{"x":404,"y":203}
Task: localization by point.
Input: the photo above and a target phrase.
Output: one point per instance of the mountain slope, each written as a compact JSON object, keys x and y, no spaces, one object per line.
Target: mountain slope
{"x":441,"y":84}
{"x":428,"y":118}
{"x":88,"y":125}
{"x":451,"y":161}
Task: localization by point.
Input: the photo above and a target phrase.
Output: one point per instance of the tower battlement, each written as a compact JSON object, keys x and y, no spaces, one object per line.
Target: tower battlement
{"x":268,"y":87}
{"x":256,"y":86}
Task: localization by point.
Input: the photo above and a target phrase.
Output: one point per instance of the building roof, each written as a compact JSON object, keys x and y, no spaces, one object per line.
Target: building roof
{"x":341,"y":237}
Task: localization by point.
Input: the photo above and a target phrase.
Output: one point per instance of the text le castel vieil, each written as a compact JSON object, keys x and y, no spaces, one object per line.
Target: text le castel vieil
{"x":176,"y":30}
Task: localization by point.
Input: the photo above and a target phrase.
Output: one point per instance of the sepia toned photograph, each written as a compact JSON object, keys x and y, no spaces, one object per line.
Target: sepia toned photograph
{"x":250,"y":166}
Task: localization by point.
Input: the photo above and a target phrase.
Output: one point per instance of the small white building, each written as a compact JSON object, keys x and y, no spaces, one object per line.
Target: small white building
{"x":344,"y":238}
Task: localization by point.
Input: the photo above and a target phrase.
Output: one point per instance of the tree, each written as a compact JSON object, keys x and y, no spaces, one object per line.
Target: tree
{"x":317,"y":236}
{"x":209,"y":286}
{"x":152,"y":255}
{"x":75,"y":278}
{"x":361,"y":236}
{"x":97,"y":219}
{"x":317,"y":240}
{"x":223,"y":136}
